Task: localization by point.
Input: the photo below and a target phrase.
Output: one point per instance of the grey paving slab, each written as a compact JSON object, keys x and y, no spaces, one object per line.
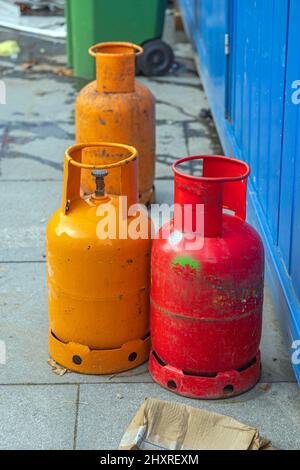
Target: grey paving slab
{"x":25,"y":210}
{"x":183,"y":49}
{"x":202,"y":138}
{"x":28,"y":161}
{"x":36,"y":126}
{"x":184,"y":77}
{"x":105,"y":411}
{"x":37,"y":417}
{"x":172,"y":103}
{"x":37,"y":98}
{"x":164,"y":191}
{"x":178,"y":96}
{"x":276,"y":363}
{"x":171,"y":145}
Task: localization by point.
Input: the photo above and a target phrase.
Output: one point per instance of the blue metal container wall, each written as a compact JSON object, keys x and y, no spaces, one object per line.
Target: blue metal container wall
{"x":289,"y":216}
{"x":289,"y":226}
{"x":257,"y":61}
{"x":254,"y":97}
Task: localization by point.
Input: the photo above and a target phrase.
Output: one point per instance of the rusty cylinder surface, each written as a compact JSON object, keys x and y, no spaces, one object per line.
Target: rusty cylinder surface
{"x":117,"y":108}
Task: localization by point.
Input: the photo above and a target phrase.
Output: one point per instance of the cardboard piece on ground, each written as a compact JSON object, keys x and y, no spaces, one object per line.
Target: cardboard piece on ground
{"x":173,"y":426}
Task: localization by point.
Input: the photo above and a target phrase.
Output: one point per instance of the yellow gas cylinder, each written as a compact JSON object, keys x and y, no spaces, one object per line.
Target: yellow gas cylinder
{"x":118,"y":108}
{"x":98,"y":265}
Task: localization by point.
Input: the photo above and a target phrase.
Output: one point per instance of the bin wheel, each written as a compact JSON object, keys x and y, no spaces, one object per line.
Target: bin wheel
{"x":157,"y":59}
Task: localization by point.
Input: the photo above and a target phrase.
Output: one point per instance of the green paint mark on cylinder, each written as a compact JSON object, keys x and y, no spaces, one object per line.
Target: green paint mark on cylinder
{"x":185,"y":260}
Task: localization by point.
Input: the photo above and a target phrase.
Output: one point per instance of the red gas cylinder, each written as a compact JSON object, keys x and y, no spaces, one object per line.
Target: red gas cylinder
{"x":207,"y":284}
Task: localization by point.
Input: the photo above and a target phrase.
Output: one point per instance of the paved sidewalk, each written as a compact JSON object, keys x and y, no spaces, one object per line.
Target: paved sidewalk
{"x":38,"y":409}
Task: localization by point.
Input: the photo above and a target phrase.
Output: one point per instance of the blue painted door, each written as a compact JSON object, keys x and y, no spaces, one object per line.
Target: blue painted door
{"x":289,"y":218}
{"x":256,"y":90}
{"x":263,"y":111}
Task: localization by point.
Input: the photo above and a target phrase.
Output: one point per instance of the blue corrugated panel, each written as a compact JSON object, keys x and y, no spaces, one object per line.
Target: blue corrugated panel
{"x":258,"y":55}
{"x":251,"y":93}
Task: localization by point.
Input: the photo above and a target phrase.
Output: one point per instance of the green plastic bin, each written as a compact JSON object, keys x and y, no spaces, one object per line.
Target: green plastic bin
{"x":92,"y":21}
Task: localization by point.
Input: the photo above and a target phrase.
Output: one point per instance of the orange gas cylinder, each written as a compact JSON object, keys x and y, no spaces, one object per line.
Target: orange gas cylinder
{"x":98,"y":276}
{"x":117,"y":108}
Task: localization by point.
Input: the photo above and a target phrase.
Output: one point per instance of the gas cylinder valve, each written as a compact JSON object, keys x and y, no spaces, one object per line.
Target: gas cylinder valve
{"x":99,"y":175}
